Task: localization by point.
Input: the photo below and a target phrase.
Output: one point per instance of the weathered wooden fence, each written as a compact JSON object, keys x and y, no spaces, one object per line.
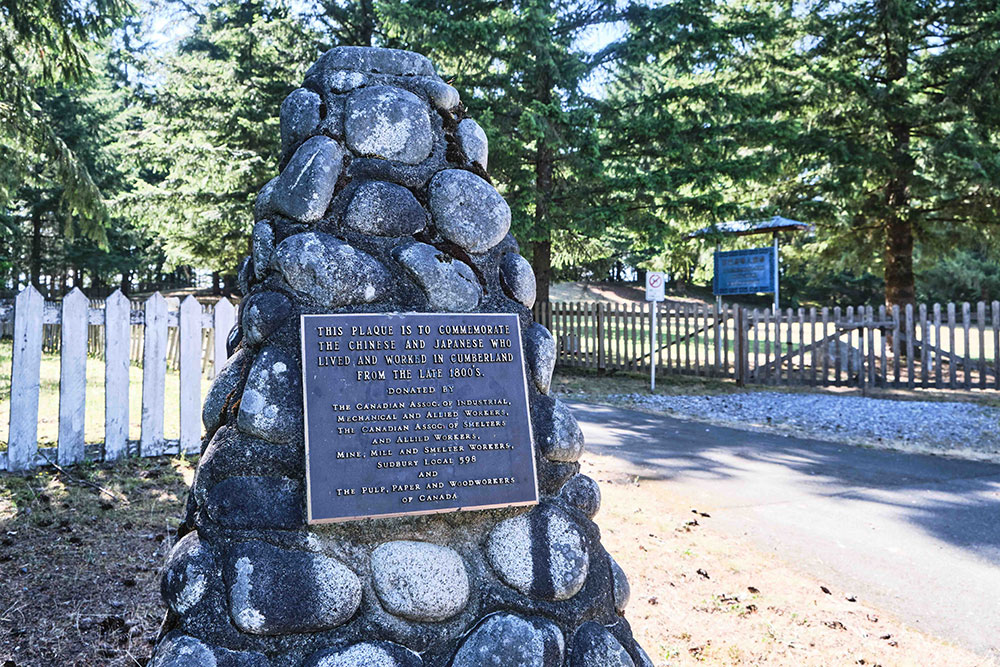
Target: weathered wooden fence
{"x":940,"y":346}
{"x":117,"y":333}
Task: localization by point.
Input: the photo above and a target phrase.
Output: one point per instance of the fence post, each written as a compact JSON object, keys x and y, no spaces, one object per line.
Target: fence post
{"x":223,"y":318}
{"x":73,"y":377}
{"x":154,"y":372}
{"x":117,"y":330}
{"x":742,"y":363}
{"x":189,"y":341}
{"x":22,"y":443}
{"x":600,"y":337}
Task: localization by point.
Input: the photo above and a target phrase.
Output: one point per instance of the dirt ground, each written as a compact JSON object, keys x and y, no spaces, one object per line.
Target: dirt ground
{"x":80,"y":580}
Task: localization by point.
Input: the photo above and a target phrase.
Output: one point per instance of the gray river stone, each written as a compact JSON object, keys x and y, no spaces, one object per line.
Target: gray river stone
{"x":622,"y":589}
{"x":299,"y":118}
{"x":384,"y":209}
{"x":540,"y":348}
{"x":389,"y":123}
{"x":316,"y":592}
{"x":560,"y":437}
{"x":271,"y":407}
{"x":583,"y":493}
{"x":233,"y":339}
{"x":263,"y":314}
{"x":472,"y":139}
{"x":594,"y":646}
{"x":179,"y":650}
{"x":256,"y":503}
{"x":263,"y":249}
{"x":329,"y":272}
{"x":244,"y":275}
{"x":231,"y":453}
{"x":450,"y":284}
{"x":517,"y":279}
{"x":419,"y":580}
{"x":381,"y":61}
{"x":365,"y":654}
{"x":542,"y":554}
{"x":441,"y":95}
{"x":188,"y":573}
{"x":506,"y":640}
{"x":342,"y":81}
{"x":223,"y":389}
{"x":262,"y":208}
{"x":467,"y":210}
{"x":306,"y":185}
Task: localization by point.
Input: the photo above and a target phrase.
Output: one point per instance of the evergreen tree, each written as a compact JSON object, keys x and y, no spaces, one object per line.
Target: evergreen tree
{"x":876,"y":120}
{"x":523,"y":70}
{"x":209,"y":140}
{"x":903,"y":120}
{"x":44,"y":43}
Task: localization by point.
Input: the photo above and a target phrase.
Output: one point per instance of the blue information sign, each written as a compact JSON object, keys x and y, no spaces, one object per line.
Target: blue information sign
{"x":744,"y":271}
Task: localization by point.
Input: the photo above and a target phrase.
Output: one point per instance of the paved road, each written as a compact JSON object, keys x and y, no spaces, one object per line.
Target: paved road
{"x":918,"y":536}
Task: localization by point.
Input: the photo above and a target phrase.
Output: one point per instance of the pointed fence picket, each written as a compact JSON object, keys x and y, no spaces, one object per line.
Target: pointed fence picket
{"x":855,"y":346}
{"x":72,"y":377}
{"x":119,"y":334}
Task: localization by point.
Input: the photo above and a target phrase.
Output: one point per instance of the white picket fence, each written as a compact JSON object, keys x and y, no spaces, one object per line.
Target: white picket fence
{"x":75,"y":316}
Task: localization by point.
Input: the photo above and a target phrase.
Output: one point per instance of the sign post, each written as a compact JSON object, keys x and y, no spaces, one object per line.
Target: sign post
{"x":654,"y":294}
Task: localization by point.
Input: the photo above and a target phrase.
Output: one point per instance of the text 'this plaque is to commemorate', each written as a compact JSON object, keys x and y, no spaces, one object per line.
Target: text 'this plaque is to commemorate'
{"x":414,"y":413}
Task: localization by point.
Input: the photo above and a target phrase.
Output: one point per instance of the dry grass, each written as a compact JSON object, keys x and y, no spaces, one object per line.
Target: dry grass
{"x":80,"y":568}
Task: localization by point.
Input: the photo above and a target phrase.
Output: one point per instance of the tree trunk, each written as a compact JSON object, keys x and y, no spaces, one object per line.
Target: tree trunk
{"x":216,"y":283}
{"x":126,"y":285}
{"x":541,"y":262}
{"x":367,"y":28}
{"x":35,"y":262}
{"x":898,"y":229}
{"x":541,"y":255}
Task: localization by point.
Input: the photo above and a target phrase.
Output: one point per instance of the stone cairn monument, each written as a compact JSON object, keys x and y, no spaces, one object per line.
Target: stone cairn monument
{"x":383,"y":205}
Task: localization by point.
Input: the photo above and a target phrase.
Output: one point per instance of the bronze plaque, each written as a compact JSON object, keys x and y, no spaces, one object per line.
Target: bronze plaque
{"x":415,"y":413}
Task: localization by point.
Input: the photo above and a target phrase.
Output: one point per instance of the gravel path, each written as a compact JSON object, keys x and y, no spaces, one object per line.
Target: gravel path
{"x":959,"y":429}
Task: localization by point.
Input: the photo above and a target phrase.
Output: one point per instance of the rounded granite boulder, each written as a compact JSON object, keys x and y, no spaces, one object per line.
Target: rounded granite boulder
{"x":583,"y":493}
{"x":622,"y":590}
{"x":507,"y":640}
{"x":224,"y":389}
{"x":389,"y":123}
{"x":450,"y":284}
{"x":263,"y":248}
{"x":594,"y":646}
{"x":472,"y":139}
{"x":189,"y":571}
{"x":271,"y":406}
{"x":306,"y":184}
{"x":329,"y":272}
{"x":384,"y":209}
{"x":517,"y":279}
{"x":263,"y":314}
{"x":542,"y":554}
{"x":557,"y":432}
{"x":540,"y":350}
{"x":299,"y":118}
{"x":420,"y":581}
{"x":179,"y":650}
{"x":467,"y":210}
{"x":275,"y":591}
{"x":365,"y":654}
